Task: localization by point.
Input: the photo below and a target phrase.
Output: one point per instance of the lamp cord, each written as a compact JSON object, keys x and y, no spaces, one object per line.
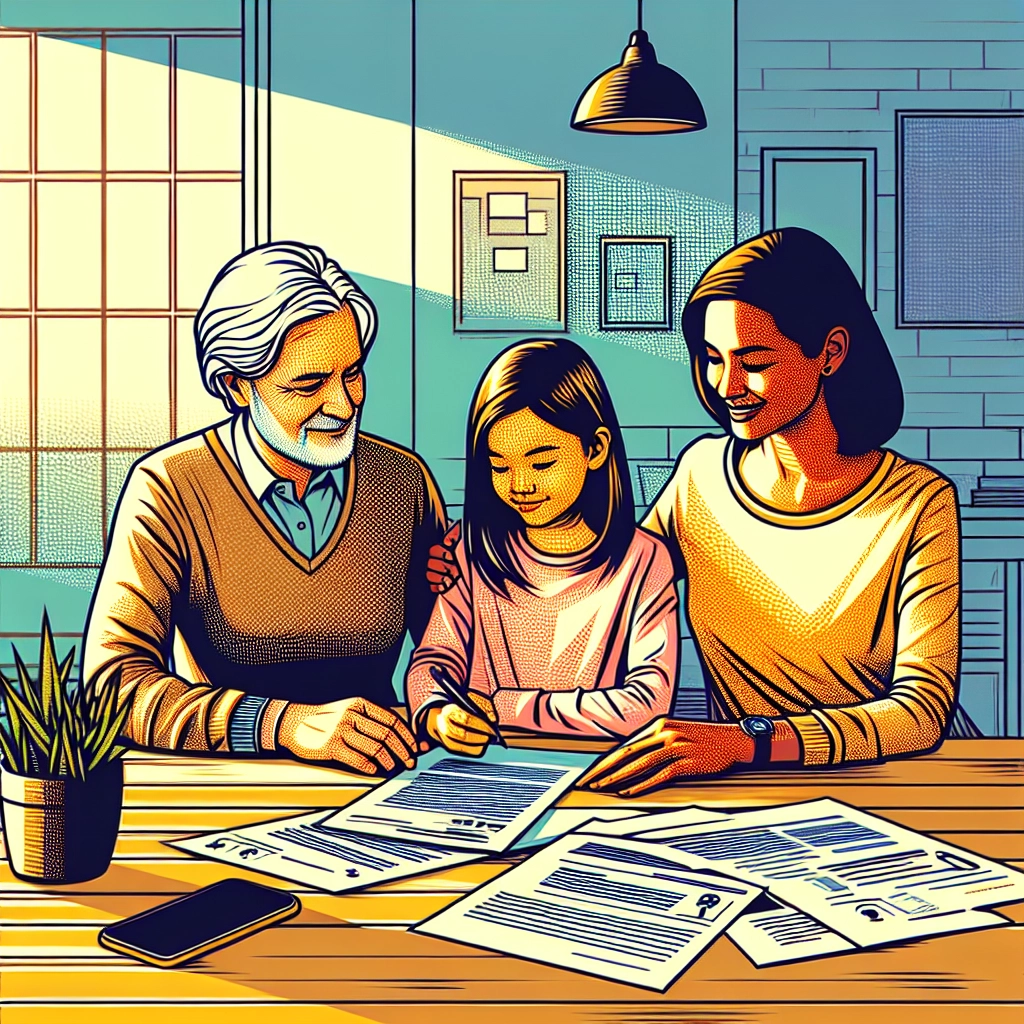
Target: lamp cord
{"x":639,"y":15}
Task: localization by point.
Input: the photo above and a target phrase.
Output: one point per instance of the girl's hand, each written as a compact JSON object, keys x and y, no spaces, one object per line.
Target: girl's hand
{"x":460,"y":732}
{"x":442,"y":568}
{"x":669,"y":749}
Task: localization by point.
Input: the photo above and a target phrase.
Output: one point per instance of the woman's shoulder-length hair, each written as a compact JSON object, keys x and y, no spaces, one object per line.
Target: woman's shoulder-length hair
{"x":808,"y":288}
{"x":559,"y":383}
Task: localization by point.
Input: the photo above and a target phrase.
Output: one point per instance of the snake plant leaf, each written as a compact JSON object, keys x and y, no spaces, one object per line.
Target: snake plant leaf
{"x":7,"y":752}
{"x":50,"y":690}
{"x":28,"y":689}
{"x":22,"y":717}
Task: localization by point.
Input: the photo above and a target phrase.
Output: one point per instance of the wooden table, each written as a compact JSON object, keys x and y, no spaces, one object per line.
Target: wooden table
{"x":350,"y":958}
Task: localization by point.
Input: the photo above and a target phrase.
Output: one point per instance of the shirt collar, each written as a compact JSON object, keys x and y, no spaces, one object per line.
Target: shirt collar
{"x":256,"y":472}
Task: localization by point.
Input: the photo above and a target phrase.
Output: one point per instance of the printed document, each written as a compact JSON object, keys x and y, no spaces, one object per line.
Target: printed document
{"x":305,"y":850}
{"x":602,"y":905}
{"x":560,"y":820}
{"x":483,"y":803}
{"x":868,"y":880}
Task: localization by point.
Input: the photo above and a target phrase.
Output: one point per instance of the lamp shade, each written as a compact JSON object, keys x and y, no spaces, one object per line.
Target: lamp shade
{"x":639,"y":96}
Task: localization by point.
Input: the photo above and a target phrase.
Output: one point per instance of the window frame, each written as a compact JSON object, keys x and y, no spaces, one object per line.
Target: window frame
{"x":254,"y":193}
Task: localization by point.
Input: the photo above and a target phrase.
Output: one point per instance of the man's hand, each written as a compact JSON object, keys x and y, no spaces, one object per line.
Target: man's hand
{"x":459,"y":731}
{"x":669,"y":749}
{"x":353,"y":732}
{"x":442,"y":568}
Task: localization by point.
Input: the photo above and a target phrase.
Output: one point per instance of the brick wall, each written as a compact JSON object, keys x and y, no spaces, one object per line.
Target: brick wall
{"x":832,"y":74}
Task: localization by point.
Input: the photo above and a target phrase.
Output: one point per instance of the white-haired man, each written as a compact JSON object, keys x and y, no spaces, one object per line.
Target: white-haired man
{"x":262,"y":574}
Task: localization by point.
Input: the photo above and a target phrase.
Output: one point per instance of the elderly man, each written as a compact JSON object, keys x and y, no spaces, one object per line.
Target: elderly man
{"x":262,"y":574}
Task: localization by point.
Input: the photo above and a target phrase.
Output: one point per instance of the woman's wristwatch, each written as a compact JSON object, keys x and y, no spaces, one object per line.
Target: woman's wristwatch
{"x":760,"y":730}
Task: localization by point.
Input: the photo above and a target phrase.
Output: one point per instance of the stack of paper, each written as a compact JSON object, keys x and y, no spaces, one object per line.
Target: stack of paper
{"x":624,"y":893}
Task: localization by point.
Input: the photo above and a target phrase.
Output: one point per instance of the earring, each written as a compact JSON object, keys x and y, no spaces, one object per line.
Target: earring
{"x":826,"y":370}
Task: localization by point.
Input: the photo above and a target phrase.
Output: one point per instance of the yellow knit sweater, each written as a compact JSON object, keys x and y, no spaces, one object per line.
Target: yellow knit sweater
{"x":845,"y":621}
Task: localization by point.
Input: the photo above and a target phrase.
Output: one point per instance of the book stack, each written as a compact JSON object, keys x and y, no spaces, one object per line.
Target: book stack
{"x":999,"y":492}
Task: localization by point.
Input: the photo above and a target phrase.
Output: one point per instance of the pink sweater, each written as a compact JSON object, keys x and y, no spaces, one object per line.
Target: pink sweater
{"x":576,"y":655}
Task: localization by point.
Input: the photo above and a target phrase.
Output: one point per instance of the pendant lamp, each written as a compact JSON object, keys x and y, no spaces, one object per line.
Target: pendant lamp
{"x":639,"y":96}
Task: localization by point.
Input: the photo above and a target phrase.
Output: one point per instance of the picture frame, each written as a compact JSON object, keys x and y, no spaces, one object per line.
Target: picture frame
{"x":509,"y":247}
{"x":636,"y":283}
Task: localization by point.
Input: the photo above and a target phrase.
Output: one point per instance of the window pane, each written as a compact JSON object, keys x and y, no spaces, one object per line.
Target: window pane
{"x":138,"y":246}
{"x":209,"y":234}
{"x":69,"y":104}
{"x":209,"y":108}
{"x":14,"y":383}
{"x":14,"y":110}
{"x":69,"y":382}
{"x":69,"y":244}
{"x":69,"y":515}
{"x":196,"y":407}
{"x":138,"y":104}
{"x":118,"y":464}
{"x":14,"y":249}
{"x":15,"y":506}
{"x":138,"y":382}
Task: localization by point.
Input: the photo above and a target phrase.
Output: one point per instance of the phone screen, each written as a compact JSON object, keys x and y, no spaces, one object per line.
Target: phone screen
{"x":200,"y":917}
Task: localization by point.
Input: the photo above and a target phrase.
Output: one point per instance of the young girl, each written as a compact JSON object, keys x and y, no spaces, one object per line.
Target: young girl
{"x":565,"y":616}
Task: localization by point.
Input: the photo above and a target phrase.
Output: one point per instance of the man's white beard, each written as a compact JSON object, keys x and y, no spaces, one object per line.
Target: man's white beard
{"x":317,"y":456}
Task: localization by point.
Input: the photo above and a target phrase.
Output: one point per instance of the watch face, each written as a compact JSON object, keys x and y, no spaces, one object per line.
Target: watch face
{"x":759,"y":726}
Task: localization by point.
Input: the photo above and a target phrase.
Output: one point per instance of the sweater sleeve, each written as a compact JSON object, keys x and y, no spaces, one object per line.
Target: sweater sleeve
{"x":446,"y":642}
{"x":130,"y":626}
{"x":645,"y":687}
{"x":914,"y":714}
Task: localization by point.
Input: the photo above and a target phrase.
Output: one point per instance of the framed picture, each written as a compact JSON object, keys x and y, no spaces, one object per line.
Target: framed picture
{"x":509,"y":251}
{"x":636,"y":283}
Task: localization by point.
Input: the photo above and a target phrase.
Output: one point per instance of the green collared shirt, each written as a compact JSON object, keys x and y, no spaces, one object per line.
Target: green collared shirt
{"x":306,"y":522}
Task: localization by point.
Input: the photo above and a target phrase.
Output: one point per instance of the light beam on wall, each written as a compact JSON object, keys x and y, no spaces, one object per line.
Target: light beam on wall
{"x":639,"y":96}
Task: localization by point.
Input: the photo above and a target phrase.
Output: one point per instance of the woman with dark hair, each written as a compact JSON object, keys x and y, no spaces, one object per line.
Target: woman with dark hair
{"x":822,"y":570}
{"x":565,"y":615}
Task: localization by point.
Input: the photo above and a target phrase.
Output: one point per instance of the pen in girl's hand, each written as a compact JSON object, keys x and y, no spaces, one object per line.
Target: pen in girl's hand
{"x":455,"y":694}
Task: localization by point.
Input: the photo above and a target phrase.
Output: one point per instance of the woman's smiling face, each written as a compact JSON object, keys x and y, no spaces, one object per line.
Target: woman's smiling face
{"x":763,"y":377}
{"x":536,"y":468}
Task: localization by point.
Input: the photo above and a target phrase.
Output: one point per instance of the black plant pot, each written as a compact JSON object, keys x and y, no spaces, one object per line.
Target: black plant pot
{"x":59,"y":831}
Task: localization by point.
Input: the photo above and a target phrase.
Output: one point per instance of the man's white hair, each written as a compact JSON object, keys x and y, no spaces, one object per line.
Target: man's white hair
{"x":258,"y":298}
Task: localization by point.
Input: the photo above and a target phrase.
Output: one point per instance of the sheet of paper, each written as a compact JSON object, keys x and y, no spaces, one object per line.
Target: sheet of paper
{"x":303,"y":849}
{"x":483,"y":803}
{"x":871,"y":881}
{"x":560,"y":820}
{"x":769,"y":932}
{"x":602,"y":905}
{"x":646,"y":821}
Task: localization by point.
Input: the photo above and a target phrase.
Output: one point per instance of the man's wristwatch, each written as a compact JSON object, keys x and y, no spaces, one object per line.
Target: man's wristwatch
{"x":760,"y":730}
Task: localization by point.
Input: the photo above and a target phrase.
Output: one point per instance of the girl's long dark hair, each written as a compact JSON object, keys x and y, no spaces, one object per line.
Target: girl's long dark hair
{"x":559,"y":383}
{"x":808,"y":288}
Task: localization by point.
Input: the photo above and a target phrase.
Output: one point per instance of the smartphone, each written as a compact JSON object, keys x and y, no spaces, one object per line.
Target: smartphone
{"x":200,"y":922}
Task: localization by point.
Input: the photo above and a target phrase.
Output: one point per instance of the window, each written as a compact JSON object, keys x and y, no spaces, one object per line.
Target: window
{"x":121,"y":195}
{"x":960,"y":218}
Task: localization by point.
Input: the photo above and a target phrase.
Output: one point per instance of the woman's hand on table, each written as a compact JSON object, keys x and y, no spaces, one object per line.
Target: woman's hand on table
{"x":460,"y":732}
{"x":353,"y":732}
{"x":668,"y":749}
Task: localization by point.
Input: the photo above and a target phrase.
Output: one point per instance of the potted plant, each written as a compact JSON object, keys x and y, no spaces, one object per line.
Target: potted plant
{"x":61,"y":778}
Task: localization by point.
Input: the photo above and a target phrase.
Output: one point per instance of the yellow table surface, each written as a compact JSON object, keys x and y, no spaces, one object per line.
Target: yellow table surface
{"x":351,"y":958}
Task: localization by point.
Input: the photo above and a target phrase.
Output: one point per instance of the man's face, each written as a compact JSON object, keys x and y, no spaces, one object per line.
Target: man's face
{"x":307,"y":407}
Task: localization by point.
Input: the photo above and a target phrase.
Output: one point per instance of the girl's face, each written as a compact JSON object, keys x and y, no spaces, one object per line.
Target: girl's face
{"x":538,"y":469}
{"x":763,"y":377}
